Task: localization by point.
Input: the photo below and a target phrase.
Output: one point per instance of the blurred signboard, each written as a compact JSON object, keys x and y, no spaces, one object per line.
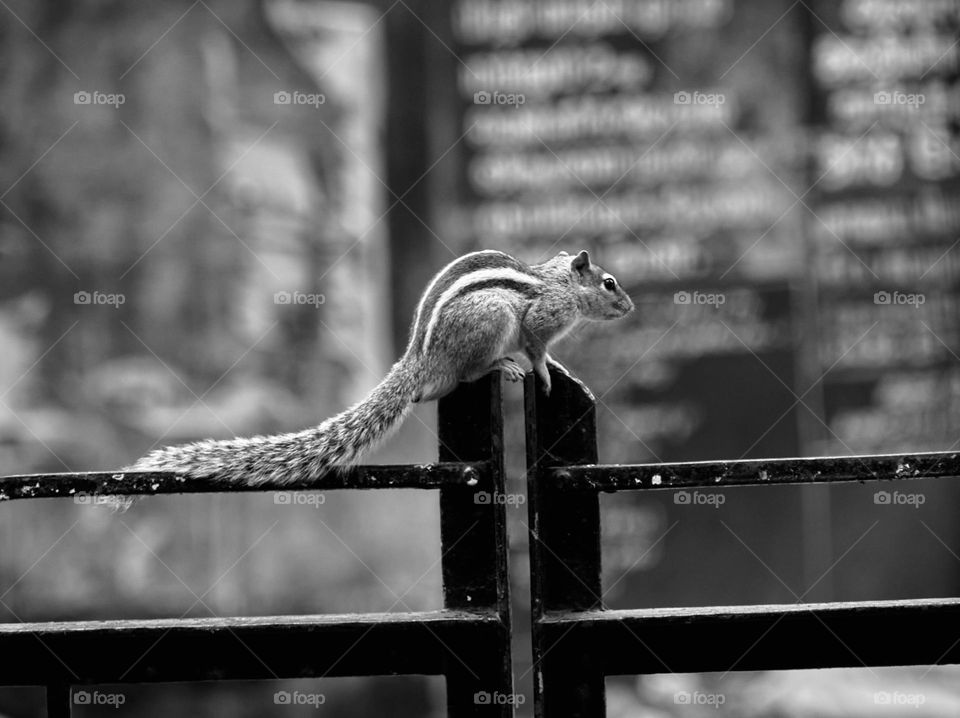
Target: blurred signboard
{"x":886,"y":218}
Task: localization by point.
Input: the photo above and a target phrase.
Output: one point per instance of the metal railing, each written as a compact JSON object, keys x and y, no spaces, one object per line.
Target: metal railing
{"x":577,"y":643}
{"x":467,"y":642}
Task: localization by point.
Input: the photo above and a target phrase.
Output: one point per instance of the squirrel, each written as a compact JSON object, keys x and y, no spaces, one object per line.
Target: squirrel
{"x":475,"y":313}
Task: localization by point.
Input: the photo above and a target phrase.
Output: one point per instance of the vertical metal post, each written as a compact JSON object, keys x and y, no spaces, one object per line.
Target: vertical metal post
{"x":473,"y":531}
{"x":564,"y":547}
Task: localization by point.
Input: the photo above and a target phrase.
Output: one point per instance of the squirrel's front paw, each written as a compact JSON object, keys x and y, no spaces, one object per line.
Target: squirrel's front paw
{"x":542,"y":372}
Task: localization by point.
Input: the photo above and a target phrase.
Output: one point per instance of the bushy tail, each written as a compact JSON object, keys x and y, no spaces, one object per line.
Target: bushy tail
{"x":337,"y":442}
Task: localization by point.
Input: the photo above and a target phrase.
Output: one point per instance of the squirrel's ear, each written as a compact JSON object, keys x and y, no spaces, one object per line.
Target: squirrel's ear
{"x":581,"y":262}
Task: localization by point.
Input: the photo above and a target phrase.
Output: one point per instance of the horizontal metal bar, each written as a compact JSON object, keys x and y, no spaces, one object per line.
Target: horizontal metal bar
{"x":255,"y":648}
{"x":762,"y":472}
{"x":753,"y":638}
{"x":149,"y":483}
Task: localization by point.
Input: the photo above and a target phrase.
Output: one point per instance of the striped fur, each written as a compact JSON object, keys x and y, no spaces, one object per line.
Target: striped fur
{"x":501,"y":277}
{"x":475,"y":261}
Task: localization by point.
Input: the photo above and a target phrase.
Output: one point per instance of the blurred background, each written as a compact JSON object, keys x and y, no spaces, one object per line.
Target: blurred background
{"x":216,"y":219}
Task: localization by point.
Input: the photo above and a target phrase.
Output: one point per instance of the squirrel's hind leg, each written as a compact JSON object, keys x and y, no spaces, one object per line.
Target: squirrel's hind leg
{"x":475,"y":335}
{"x":510,"y":368}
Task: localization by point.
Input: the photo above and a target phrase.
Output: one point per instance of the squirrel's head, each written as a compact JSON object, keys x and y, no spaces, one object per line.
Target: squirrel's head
{"x":599,"y":292}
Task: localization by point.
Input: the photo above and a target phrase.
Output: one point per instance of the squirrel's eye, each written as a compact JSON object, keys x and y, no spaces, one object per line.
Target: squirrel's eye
{"x":610,"y":284}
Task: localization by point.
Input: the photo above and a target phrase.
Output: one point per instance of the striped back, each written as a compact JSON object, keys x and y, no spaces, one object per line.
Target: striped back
{"x":469,"y":273}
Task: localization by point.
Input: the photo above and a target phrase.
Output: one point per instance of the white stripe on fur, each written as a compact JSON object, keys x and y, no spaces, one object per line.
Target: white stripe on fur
{"x":480,"y":275}
{"x":433,"y":283}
